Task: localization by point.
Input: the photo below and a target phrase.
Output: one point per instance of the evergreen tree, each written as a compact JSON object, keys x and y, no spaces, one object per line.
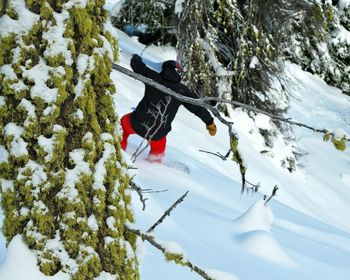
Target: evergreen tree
{"x":230,"y":48}
{"x":151,"y":20}
{"x":64,"y":185}
{"x":320,"y":45}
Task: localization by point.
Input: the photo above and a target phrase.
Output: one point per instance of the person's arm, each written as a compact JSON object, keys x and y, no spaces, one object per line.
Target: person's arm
{"x":201,"y":112}
{"x":139,"y":67}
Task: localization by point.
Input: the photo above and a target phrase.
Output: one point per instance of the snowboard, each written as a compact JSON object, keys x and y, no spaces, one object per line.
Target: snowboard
{"x":177,"y":165}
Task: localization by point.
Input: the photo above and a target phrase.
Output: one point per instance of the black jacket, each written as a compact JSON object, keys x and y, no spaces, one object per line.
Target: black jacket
{"x":154,"y":114}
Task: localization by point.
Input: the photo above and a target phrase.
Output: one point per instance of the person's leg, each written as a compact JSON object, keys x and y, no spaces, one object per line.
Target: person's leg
{"x":127,"y":130}
{"x":156,"y":153}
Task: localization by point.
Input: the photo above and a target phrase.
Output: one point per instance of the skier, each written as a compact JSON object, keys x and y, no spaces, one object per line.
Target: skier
{"x":154,"y":114}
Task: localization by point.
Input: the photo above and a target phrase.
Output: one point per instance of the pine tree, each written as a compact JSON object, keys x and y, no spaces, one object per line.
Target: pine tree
{"x":319,"y":43}
{"x":151,"y":20}
{"x":229,"y":49}
{"x":63,"y":182}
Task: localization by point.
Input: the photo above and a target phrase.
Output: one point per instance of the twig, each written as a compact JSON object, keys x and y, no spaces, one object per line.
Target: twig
{"x":253,"y":188}
{"x":155,"y":244}
{"x":139,"y":192}
{"x":274,"y":191}
{"x":159,"y":115}
{"x":223,"y":157}
{"x":153,"y":191}
{"x":167,"y":213}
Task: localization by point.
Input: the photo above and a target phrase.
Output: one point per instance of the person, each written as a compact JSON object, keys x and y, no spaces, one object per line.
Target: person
{"x":154,"y":114}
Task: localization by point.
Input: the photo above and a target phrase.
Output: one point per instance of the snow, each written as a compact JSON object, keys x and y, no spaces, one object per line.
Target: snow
{"x":302,"y":233}
{"x":344,"y":3}
{"x":29,"y":107}
{"x":6,"y":185}
{"x":4,"y":155}
{"x":47,"y":144}
{"x":40,"y":73}
{"x":110,"y":223}
{"x":37,"y":177}
{"x":18,"y":145}
{"x":92,"y":223}
{"x":254,"y":62}
{"x":2,"y":101}
{"x":8,"y":71}
{"x":75,"y":3}
{"x":81,"y":167}
{"x":23,"y":265}
{"x":172,"y":247}
{"x":179,"y":6}
{"x":344,"y":35}
{"x":56,"y":43}
{"x":100,"y":170}
{"x":25,"y":22}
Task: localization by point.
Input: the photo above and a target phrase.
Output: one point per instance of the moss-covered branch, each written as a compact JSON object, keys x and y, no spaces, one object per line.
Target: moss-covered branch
{"x":170,"y":256}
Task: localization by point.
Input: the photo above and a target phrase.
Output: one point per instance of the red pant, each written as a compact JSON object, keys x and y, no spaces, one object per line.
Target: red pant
{"x":157,"y":146}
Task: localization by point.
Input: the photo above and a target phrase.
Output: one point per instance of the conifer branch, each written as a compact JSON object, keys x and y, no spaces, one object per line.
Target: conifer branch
{"x":167,"y":213}
{"x":177,"y":258}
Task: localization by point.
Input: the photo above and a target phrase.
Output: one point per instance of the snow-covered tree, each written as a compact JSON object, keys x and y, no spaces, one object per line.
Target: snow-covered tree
{"x":151,"y":20}
{"x":320,"y":43}
{"x":64,"y":184}
{"x":229,"y":49}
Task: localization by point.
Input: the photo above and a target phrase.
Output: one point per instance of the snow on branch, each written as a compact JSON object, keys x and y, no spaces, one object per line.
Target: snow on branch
{"x":203,"y":102}
{"x":338,"y":141}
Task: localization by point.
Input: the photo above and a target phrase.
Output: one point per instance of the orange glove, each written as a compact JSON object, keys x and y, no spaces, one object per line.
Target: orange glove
{"x":211,"y":129}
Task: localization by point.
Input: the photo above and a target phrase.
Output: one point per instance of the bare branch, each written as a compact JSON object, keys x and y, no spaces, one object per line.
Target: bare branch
{"x":184,"y":262}
{"x":232,"y":134}
{"x":253,"y":187}
{"x":167,"y":213}
{"x":274,"y":191}
{"x":223,"y":157}
{"x":202,"y":102}
{"x":139,"y":192}
{"x":157,"y":114}
{"x":152,"y":191}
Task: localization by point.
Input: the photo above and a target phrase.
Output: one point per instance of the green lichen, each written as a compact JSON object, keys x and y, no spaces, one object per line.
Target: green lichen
{"x":339,"y":144}
{"x":7,"y":44}
{"x":177,"y":258}
{"x":327,"y":136}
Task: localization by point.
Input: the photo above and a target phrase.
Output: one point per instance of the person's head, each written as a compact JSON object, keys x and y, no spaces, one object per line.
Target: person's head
{"x":172,"y":70}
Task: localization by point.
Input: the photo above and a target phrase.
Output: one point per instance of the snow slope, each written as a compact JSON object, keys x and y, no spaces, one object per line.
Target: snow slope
{"x":303,"y":233}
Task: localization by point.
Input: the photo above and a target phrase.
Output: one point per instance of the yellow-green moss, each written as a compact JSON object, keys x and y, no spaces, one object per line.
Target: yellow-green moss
{"x":7,"y":44}
{"x":177,"y":258}
{"x":327,"y":137}
{"x":89,"y":269}
{"x":339,"y":144}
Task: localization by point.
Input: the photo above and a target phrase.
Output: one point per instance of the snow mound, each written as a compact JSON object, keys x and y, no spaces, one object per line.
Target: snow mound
{"x":255,"y":238}
{"x":257,"y":217}
{"x":21,"y":262}
{"x":220,"y":275}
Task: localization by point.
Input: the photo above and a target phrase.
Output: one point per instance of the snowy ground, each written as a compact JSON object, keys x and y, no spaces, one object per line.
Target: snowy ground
{"x":303,"y":233}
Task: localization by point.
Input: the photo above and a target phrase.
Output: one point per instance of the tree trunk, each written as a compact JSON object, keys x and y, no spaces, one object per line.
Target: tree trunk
{"x":62,"y":177}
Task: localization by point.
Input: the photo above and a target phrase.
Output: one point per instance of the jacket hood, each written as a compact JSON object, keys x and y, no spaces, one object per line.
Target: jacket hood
{"x":170,"y":75}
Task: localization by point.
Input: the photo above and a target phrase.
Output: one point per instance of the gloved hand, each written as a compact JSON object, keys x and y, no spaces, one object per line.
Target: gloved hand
{"x":211,"y":129}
